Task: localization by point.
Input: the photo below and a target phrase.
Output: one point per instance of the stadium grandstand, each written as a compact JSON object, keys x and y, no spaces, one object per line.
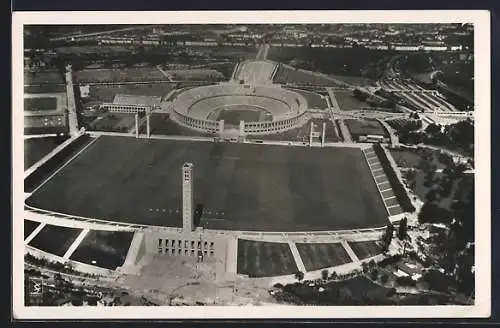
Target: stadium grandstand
{"x":274,"y":109}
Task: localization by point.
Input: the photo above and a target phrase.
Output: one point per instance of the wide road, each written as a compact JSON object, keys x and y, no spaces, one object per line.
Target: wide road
{"x":84,"y":35}
{"x":263,"y":50}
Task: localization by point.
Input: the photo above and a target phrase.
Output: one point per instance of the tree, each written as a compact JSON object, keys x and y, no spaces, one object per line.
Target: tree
{"x":324,"y":274}
{"x":431,"y":196}
{"x":299,"y":275}
{"x":387,"y":237}
{"x":384,"y":278}
{"x":374,"y":274}
{"x":403,"y":228}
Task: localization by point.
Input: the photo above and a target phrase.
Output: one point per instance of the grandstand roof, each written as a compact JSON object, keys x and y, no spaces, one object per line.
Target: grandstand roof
{"x":136,"y":100}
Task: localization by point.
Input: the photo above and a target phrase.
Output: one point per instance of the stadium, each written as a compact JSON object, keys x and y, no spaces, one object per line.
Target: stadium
{"x":248,"y":109}
{"x":261,"y":208}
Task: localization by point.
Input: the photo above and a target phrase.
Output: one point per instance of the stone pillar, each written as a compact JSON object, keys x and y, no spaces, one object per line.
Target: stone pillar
{"x":221,"y":125}
{"x":242,"y":128}
{"x":323,"y":135}
{"x":148,"y":127}
{"x":137,"y":125}
{"x":71,"y":102}
{"x":311,"y":130}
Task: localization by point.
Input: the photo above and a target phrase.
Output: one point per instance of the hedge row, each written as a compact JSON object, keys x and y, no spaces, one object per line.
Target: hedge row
{"x":47,"y":168}
{"x":396,"y":184}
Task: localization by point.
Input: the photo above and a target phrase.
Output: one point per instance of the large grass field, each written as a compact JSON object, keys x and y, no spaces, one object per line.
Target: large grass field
{"x":241,"y":186}
{"x":317,"y":256}
{"x":264,"y":259}
{"x":347,"y":101}
{"x":365,"y":249}
{"x":107,"y":248}
{"x":55,"y":239}
{"x":55,"y":162}
{"x":239,"y":113}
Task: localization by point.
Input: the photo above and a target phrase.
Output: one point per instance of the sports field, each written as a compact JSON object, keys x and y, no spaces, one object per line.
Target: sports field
{"x":264,"y":259}
{"x":55,"y":239}
{"x":42,"y":103}
{"x":365,"y":249}
{"x":365,"y":127}
{"x":241,"y":186}
{"x":322,"y":255}
{"x":107,"y":248}
{"x":234,"y":114}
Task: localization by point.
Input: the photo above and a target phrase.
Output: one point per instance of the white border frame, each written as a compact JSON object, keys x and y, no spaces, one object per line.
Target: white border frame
{"x":481,"y":21}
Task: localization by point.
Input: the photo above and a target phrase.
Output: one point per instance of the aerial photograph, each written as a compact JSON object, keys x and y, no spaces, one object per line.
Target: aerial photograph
{"x":249,"y":164}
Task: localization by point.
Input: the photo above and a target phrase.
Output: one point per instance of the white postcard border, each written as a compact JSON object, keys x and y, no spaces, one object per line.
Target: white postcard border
{"x":481,"y":21}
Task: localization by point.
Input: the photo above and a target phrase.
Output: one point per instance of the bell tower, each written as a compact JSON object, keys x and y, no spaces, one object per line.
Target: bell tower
{"x":187,"y":197}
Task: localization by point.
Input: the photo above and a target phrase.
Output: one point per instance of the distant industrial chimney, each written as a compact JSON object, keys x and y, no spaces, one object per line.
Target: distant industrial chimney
{"x":187,"y":197}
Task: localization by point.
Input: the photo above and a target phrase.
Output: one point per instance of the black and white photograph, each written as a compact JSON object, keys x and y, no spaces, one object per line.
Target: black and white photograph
{"x":251,"y":164}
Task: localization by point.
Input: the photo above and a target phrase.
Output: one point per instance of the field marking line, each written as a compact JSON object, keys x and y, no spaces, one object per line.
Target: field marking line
{"x":76,"y":243}
{"x":389,"y":198}
{"x":65,"y":164}
{"x":392,"y":206}
{"x":296,"y":257}
{"x":34,"y":233}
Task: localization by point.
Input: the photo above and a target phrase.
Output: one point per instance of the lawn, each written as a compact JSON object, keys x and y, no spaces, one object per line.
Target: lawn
{"x":47,"y":77}
{"x":106,"y":93}
{"x":314,"y":100}
{"x":264,"y":259}
{"x":129,"y":74}
{"x":55,"y":239}
{"x":257,"y":187}
{"x":317,"y":256}
{"x":108,"y":248}
{"x":347,"y":101}
{"x":365,"y":127}
{"x":365,"y":249}
{"x":115,"y":122}
{"x":42,"y":103}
